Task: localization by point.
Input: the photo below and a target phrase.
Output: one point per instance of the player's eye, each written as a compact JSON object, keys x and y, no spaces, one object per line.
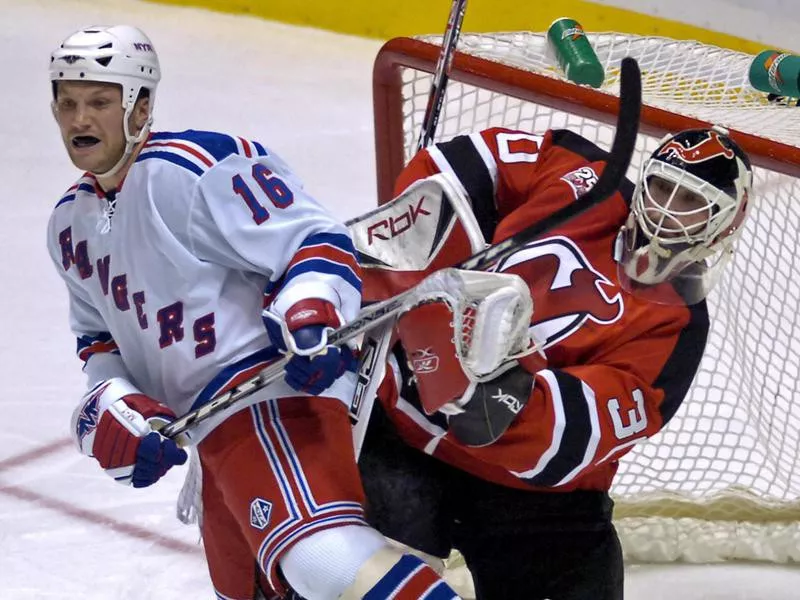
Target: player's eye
{"x":65,"y":104}
{"x":661,"y":185}
{"x":100,"y":103}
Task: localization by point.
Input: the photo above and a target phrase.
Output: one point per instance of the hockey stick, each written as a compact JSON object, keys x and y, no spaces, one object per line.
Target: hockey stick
{"x":375,"y":341}
{"x":607,"y":184}
{"x":441,"y":74}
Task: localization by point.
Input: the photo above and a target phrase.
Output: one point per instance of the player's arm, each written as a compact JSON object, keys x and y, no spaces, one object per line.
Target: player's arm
{"x":113,"y":421}
{"x":95,"y":346}
{"x":471,"y":361}
{"x":255,"y":218}
{"x":580,"y":417}
{"x":491,"y":166}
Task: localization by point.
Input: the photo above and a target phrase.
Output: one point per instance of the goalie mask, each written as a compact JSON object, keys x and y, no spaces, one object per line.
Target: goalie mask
{"x":687,"y":211}
{"x":122,"y":55}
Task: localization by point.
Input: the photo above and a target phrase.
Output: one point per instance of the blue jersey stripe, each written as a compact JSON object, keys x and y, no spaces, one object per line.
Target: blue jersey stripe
{"x":173,"y":158}
{"x":321,"y":265}
{"x":73,"y":193}
{"x":441,"y":591}
{"x":218,"y":145}
{"x":224,"y":376}
{"x":340,"y":240}
{"x":65,"y":199}
{"x":87,"y":340}
{"x":389,"y":583}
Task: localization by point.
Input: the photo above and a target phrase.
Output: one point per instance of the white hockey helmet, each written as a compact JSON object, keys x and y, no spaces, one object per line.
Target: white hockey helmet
{"x":120,"y":54}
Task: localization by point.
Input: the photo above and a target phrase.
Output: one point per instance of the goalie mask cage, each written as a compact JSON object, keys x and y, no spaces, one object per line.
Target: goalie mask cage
{"x":722,"y":480}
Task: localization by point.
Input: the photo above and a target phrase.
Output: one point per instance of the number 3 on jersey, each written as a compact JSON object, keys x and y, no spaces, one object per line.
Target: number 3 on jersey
{"x":631,"y":420}
{"x":274,"y":188}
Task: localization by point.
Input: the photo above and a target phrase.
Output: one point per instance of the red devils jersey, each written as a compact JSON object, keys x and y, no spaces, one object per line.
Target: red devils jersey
{"x":617,"y":368}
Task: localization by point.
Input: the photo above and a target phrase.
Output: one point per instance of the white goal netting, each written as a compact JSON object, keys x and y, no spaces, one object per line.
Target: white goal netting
{"x":722,"y":481}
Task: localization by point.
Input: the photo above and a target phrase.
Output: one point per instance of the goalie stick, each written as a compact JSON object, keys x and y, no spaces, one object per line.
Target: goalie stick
{"x":609,"y":181}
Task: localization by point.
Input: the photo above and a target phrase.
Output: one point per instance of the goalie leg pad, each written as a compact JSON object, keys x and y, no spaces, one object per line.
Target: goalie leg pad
{"x":428,"y":226}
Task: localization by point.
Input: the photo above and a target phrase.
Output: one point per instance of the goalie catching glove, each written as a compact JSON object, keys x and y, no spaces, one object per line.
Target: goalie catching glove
{"x":462,"y":336}
{"x":303,"y":331}
{"x":116,"y":424}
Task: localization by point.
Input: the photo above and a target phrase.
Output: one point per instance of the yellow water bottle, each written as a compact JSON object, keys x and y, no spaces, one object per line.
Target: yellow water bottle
{"x":574,"y":53}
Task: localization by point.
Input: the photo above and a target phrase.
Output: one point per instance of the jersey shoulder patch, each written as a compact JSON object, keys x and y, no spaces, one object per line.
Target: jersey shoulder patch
{"x":577,"y":144}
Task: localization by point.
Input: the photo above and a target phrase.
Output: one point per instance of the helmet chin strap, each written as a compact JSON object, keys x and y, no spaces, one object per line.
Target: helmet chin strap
{"x":130,"y":144}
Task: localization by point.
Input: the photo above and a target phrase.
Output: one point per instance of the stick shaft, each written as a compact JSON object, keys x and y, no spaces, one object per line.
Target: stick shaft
{"x":441,"y":74}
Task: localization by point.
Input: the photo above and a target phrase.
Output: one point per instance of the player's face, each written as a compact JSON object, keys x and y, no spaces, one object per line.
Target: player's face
{"x":676,"y":210}
{"x":90,"y":115}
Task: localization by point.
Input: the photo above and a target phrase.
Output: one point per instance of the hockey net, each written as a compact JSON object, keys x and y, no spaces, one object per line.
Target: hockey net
{"x":722,"y":480}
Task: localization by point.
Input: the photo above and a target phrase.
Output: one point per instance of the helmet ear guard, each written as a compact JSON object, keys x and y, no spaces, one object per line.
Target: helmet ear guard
{"x":663,"y":240}
{"x":121,"y":55}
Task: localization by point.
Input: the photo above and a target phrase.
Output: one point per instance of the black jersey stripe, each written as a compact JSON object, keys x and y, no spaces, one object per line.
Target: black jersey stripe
{"x":678,"y":372}
{"x":590,"y":151}
{"x":473,"y":173}
{"x":576,"y":436}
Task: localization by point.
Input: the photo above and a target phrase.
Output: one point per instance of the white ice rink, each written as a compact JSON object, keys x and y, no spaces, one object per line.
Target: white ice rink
{"x":66,"y":530}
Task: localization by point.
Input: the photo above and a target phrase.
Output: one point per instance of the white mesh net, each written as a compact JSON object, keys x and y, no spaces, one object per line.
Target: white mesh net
{"x":722,"y":481}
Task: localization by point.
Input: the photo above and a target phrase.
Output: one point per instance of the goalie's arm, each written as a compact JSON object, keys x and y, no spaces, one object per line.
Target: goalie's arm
{"x":578,"y":418}
{"x":472,"y":160}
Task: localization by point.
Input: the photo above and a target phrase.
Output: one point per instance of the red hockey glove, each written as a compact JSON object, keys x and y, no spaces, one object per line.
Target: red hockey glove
{"x":114,"y":424}
{"x":315,"y":364}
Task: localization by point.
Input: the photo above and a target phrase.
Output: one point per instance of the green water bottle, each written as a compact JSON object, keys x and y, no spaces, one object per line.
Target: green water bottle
{"x":575,"y":54}
{"x":775,"y":72}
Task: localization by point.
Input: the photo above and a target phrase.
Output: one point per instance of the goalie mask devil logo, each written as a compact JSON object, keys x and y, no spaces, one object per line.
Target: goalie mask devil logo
{"x":567,"y":290}
{"x":709,"y":147}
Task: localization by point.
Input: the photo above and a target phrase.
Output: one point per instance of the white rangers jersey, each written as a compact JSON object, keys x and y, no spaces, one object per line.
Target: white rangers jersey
{"x":167,"y":277}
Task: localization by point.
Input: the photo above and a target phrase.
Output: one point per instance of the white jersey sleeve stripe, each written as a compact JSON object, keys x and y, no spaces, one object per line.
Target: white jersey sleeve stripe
{"x":558,"y":427}
{"x":594,"y":439}
{"x":185,"y":149}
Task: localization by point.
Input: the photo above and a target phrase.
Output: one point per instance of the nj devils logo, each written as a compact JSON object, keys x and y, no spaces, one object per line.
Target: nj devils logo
{"x":567,"y":290}
{"x":709,"y":148}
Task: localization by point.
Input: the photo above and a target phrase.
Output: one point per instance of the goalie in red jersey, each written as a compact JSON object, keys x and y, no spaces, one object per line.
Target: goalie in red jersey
{"x":503,"y":416}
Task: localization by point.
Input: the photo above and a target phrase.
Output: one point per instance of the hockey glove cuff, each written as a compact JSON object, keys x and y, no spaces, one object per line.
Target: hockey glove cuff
{"x":314,"y":364}
{"x":114,"y":423}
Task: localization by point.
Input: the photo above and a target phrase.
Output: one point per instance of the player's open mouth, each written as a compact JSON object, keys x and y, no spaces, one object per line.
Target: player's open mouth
{"x":84,"y":141}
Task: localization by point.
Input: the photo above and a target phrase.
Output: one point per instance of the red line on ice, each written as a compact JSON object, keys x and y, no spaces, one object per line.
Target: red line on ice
{"x":88,"y":516}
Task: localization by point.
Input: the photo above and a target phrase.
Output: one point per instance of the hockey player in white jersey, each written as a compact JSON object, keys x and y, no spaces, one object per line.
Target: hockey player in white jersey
{"x":192,"y":260}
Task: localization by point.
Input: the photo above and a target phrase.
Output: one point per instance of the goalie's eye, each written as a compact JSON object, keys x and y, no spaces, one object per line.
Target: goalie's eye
{"x":660,"y":186}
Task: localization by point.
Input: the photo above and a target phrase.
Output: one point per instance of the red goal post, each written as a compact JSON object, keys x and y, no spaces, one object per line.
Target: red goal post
{"x":722,"y":481}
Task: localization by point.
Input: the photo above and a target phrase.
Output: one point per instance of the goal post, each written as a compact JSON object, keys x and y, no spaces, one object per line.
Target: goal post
{"x":722,"y":480}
